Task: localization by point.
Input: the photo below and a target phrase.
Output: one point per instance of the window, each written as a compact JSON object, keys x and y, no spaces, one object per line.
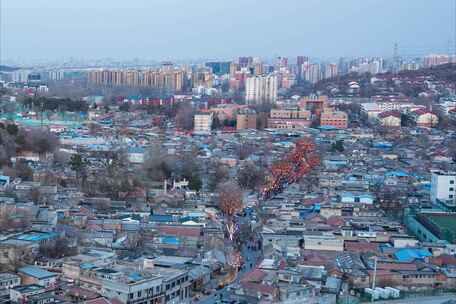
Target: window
{"x":167,"y":286}
{"x":451,"y":182}
{"x":451,"y":196}
{"x":139,"y":294}
{"x":451,"y":189}
{"x":130,"y":296}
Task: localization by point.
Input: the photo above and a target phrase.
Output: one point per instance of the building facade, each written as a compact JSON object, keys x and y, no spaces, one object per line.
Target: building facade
{"x":203,"y":123}
{"x":261,"y":89}
{"x":336,"y":119}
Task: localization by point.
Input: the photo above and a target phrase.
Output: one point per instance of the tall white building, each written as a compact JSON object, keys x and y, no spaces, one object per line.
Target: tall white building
{"x":260,"y":89}
{"x":203,"y":123}
{"x":313,"y":73}
{"x":443,"y":187}
{"x":330,"y":70}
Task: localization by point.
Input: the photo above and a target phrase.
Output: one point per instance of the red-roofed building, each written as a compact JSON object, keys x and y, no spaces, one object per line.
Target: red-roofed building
{"x":178,"y":231}
{"x":390,"y":119}
{"x":361,"y":246}
{"x":452,"y":114}
{"x":335,"y":221}
{"x":443,"y":260}
{"x":424,"y":118}
{"x":254,"y":276}
{"x":336,"y":119}
{"x":103,"y":301}
{"x":262,"y":291}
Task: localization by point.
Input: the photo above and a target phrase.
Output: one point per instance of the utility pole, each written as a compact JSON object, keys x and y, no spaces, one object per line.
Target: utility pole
{"x":375,"y":276}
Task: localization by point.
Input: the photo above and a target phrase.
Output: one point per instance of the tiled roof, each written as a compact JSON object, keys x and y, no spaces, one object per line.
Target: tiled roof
{"x":361,"y":246}
{"x":180,"y":231}
{"x":389,"y":113}
{"x":256,"y":275}
{"x":36,"y":272}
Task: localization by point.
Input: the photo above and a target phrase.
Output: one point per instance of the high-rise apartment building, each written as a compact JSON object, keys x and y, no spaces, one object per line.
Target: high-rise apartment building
{"x":165,"y":78}
{"x":203,"y":123}
{"x":435,"y":59}
{"x":246,"y":119}
{"x":330,"y":70}
{"x":245,"y":62}
{"x":259,"y":89}
{"x":443,"y":187}
{"x":313,"y":73}
{"x":202,"y":77}
{"x":300,"y":60}
{"x":219,"y":68}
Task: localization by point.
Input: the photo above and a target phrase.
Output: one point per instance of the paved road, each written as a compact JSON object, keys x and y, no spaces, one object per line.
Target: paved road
{"x":250,"y":256}
{"x":421,"y":300}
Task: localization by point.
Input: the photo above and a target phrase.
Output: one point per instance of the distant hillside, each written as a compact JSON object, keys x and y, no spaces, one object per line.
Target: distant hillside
{"x":444,"y":72}
{"x":340,"y":85}
{"x":4,"y":68}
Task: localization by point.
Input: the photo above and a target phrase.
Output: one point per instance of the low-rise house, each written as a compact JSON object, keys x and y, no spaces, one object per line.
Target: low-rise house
{"x":336,"y":119}
{"x":31,"y":294}
{"x":36,"y":275}
{"x":7,"y":281}
{"x":424,"y":118}
{"x":323,"y":243}
{"x":390,"y":119}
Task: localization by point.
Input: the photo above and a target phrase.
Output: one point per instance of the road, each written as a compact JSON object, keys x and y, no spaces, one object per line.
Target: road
{"x":421,"y":300}
{"x":250,"y":255}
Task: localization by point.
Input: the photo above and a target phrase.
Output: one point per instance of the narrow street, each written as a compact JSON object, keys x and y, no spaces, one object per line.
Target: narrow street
{"x":250,"y":254}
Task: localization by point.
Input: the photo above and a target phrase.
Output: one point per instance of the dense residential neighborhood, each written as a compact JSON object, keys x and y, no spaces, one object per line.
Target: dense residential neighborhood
{"x":330,"y":197}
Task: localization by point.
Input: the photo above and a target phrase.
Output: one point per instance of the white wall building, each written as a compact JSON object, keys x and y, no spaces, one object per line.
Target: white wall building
{"x":259,"y":89}
{"x":443,"y":185}
{"x":203,"y":123}
{"x":313,"y":73}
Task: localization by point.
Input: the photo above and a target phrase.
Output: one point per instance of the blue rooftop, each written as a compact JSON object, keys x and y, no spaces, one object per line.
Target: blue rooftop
{"x":36,"y":236}
{"x":382,"y":145}
{"x":161,"y":218}
{"x":135,"y":276}
{"x":36,"y":272}
{"x":327,"y":128}
{"x":397,"y":173}
{"x":170,"y":240}
{"x":411,"y":254}
{"x":87,"y":266}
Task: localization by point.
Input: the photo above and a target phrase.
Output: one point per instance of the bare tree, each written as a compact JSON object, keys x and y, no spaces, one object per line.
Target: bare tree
{"x":220,"y":175}
{"x":58,"y":248}
{"x":250,"y":176}
{"x":157,"y":165}
{"x":230,"y":198}
{"x":39,"y":141}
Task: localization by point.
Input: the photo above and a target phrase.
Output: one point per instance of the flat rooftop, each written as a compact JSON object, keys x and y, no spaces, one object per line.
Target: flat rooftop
{"x":444,"y":221}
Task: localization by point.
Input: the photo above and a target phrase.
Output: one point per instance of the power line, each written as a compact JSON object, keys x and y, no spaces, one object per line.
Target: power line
{"x":454,"y":29}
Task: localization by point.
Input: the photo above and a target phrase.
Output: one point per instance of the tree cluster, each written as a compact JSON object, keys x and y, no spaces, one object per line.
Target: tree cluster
{"x":251,"y":176}
{"x":55,"y":104}
{"x":230,"y":198}
{"x":14,"y":140}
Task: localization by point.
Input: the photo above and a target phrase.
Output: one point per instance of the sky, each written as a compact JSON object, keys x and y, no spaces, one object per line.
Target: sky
{"x":222,"y":29}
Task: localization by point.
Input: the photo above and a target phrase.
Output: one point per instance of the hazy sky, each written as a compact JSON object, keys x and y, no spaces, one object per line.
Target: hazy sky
{"x":166,"y":29}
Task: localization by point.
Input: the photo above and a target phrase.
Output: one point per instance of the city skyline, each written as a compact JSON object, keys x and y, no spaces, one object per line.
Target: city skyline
{"x":156,"y":31}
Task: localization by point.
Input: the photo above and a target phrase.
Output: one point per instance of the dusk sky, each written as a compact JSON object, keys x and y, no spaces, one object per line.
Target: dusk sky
{"x":181,"y":29}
